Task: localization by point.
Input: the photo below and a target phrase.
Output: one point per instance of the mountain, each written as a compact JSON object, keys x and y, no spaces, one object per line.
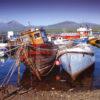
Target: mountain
{"x":15,"y":24}
{"x":71,"y":26}
{"x":66,"y":24}
{"x":11,"y":26}
{"x":89,"y":24}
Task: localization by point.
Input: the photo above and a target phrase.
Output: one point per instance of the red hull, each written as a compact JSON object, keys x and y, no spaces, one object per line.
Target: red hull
{"x":40,"y":58}
{"x":71,"y":37}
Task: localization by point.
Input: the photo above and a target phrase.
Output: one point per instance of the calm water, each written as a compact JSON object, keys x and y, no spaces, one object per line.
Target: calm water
{"x":5,"y":65}
{"x":96,"y":74}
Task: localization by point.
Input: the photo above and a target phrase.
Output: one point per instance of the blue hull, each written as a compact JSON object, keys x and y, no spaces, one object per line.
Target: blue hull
{"x":83,"y":40}
{"x":74,"y":63}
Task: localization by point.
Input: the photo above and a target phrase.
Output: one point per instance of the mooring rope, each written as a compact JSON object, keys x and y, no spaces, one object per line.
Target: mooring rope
{"x":12,"y":69}
{"x":15,"y":66}
{"x":18,"y":46}
{"x":7,"y":75}
{"x":53,"y":64}
{"x":34,"y":68}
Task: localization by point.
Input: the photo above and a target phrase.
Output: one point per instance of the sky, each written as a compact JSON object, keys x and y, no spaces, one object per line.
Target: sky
{"x":47,"y":12}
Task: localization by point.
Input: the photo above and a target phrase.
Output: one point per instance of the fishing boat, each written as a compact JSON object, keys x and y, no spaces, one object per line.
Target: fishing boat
{"x":36,"y":52}
{"x":94,"y":42}
{"x":61,"y":42}
{"x":70,"y":36}
{"x":3,"y":49}
{"x":77,"y":59}
{"x":3,"y":52}
{"x":85,"y":33}
{"x":3,"y":45}
{"x":98,"y":43}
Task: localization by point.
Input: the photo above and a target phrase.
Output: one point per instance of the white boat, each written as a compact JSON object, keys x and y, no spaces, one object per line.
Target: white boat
{"x":3,"y":45}
{"x":85,"y":33}
{"x":2,"y":61}
{"x":3,"y":49}
{"x":77,"y":59}
{"x":3,"y":52}
{"x":60,"y":42}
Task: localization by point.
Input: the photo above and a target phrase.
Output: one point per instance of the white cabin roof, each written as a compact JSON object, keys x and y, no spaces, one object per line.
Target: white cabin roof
{"x":82,"y":29}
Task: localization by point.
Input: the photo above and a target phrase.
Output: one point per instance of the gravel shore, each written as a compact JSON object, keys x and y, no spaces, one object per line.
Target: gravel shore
{"x":51,"y":94}
{"x":52,"y":87}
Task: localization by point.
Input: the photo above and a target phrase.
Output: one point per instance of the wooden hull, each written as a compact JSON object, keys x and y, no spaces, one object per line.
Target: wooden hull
{"x":40,"y":58}
{"x":74,"y":62}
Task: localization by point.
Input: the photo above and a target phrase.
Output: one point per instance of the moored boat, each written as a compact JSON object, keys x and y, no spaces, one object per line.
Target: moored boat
{"x":60,"y":42}
{"x":3,"y":52}
{"x":77,"y":59}
{"x":94,"y":42}
{"x":70,"y":36}
{"x":36,"y":52}
{"x":85,"y":33}
{"x":3,"y":46}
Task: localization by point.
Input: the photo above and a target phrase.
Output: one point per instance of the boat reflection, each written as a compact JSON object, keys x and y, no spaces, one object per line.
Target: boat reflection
{"x":2,"y":60}
{"x":84,"y":81}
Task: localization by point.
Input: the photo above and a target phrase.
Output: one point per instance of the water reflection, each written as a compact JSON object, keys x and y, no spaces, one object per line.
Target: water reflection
{"x":88,"y":78}
{"x":2,"y":60}
{"x":5,"y":68}
{"x":96,"y":74}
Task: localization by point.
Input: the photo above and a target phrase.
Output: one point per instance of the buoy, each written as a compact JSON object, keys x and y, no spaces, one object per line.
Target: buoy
{"x":57,"y":62}
{"x":58,"y":78}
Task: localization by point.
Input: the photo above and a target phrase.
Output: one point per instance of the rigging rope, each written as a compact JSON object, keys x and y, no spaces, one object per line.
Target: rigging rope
{"x":33,"y":67}
{"x":7,"y":74}
{"x":57,"y":54}
{"x":12,"y":69}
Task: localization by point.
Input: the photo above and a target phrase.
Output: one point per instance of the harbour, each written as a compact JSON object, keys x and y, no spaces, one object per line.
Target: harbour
{"x":51,"y":88}
{"x":53,"y":78}
{"x":49,"y":50}
{"x":5,"y":64}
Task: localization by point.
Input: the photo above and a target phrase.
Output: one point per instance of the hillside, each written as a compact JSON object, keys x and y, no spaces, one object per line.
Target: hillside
{"x":12,"y":25}
{"x":67,"y":26}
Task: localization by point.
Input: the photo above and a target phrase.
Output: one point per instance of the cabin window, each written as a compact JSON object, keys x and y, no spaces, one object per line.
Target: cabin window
{"x":25,"y":39}
{"x":44,"y":36}
{"x":36,"y":35}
